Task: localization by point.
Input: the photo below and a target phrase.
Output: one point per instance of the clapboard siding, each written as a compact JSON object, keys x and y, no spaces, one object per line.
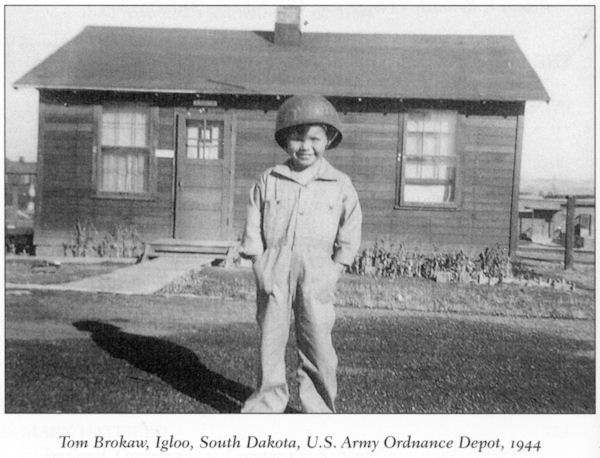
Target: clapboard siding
{"x":486,"y":147}
{"x":368,"y":154}
{"x":166,"y":128}
{"x":67,"y":135}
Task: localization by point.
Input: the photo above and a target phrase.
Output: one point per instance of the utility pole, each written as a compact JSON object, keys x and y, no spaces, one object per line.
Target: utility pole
{"x":570,"y":232}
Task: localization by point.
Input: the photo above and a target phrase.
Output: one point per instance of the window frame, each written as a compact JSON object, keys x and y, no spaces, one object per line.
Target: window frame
{"x":401,"y":161}
{"x":220,"y":145}
{"x":150,"y":150}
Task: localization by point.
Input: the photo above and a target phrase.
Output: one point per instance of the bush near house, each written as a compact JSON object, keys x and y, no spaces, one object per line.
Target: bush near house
{"x":394,"y":261}
{"x":121,"y":241}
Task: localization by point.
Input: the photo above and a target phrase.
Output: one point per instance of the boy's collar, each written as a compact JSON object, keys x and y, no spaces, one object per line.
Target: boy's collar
{"x":325,"y":170}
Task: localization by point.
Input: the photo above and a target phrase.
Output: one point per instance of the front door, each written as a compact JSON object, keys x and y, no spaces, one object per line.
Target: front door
{"x":204,"y":177}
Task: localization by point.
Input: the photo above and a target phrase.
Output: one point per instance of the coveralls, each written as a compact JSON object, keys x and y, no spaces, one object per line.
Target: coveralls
{"x":298,"y":233}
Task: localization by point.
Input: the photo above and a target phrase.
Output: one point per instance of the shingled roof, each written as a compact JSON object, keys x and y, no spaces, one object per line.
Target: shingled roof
{"x":452,"y":67}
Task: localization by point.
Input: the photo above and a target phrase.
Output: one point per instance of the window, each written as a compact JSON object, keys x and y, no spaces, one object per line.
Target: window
{"x":204,"y":139}
{"x":124,"y":160}
{"x":428,"y":161}
{"x":583,"y":222}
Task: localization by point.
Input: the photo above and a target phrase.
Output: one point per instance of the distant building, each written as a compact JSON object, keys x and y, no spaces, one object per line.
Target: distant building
{"x":543,"y":220}
{"x":20,"y":179}
{"x":19,"y":184}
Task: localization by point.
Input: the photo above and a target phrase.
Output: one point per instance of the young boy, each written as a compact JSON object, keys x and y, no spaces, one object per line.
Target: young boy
{"x":303,"y":227}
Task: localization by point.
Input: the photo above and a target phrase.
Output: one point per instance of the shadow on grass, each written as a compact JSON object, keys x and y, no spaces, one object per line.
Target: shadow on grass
{"x":175,"y":364}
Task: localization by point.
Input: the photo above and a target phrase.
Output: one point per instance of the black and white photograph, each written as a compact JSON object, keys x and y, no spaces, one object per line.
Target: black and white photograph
{"x":385,"y":213}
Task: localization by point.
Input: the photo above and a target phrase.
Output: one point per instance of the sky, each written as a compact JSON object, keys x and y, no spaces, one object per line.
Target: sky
{"x":558,"y":41}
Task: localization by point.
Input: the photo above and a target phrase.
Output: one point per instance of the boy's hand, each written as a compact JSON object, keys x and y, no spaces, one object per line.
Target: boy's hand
{"x":251,"y":257}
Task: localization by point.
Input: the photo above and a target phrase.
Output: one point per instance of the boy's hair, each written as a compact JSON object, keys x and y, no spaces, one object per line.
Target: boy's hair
{"x":301,"y":130}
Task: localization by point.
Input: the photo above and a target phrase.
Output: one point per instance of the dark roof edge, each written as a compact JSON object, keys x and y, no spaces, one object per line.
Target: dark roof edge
{"x":18,"y":85}
{"x":257,"y":93}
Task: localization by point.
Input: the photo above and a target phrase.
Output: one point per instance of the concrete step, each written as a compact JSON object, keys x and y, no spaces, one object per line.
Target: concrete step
{"x":217,"y":248}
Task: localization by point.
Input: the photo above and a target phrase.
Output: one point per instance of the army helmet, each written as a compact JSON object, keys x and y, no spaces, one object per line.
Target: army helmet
{"x":307,"y":109}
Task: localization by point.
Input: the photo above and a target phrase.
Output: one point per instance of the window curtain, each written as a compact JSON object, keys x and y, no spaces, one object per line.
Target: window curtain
{"x":124,"y":172}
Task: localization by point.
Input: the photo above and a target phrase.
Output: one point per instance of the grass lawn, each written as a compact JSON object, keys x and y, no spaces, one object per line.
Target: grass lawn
{"x":424,"y":295}
{"x":26,"y":272}
{"x":81,"y":352}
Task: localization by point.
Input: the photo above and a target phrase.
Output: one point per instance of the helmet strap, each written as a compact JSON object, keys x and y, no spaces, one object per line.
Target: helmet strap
{"x":332,"y":138}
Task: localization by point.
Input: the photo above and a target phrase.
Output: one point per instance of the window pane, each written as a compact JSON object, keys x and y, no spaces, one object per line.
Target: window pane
{"x":429,"y":193}
{"x":431,"y":124}
{"x":429,"y":166}
{"x":108,"y":134}
{"x":412,"y":170}
{"x":413,"y":144}
{"x":215,"y":133}
{"x":124,"y":137}
{"x":192,"y":142}
{"x":192,"y":151}
{"x":192,"y":132}
{"x":140,"y":136}
{"x":124,"y":172}
{"x":447,"y":123}
{"x":415,"y":122}
{"x":109,"y":117}
{"x":447,"y":145}
{"x":207,"y":137}
{"x":126,"y":116}
{"x":141,"y":118}
{"x":429,"y":145}
{"x":125,"y":126}
{"x":416,"y":170}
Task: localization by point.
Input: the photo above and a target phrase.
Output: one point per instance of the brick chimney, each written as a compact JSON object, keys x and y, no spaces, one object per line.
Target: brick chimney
{"x":287,"y":26}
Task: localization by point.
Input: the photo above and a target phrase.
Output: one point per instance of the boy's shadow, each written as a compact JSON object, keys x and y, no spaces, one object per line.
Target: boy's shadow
{"x":176,"y":365}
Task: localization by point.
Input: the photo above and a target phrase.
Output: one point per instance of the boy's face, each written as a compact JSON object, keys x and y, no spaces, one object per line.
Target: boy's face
{"x":306,"y":145}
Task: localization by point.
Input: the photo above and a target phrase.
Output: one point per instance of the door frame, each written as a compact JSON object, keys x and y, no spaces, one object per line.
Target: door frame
{"x":227,"y":163}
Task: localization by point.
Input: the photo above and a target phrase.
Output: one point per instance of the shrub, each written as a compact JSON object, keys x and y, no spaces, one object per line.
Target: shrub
{"x":120,"y":241}
{"x":393,"y":261}
{"x":494,"y":262}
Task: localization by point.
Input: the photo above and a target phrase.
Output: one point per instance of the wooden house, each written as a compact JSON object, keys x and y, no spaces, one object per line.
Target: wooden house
{"x":166,"y":129}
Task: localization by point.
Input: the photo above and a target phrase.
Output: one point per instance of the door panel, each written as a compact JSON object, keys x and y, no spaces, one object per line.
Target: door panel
{"x":203,"y":199}
{"x":200,"y":225}
{"x":203,"y":177}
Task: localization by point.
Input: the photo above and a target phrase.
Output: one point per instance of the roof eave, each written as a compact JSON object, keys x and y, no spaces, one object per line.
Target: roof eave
{"x":18,"y":85}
